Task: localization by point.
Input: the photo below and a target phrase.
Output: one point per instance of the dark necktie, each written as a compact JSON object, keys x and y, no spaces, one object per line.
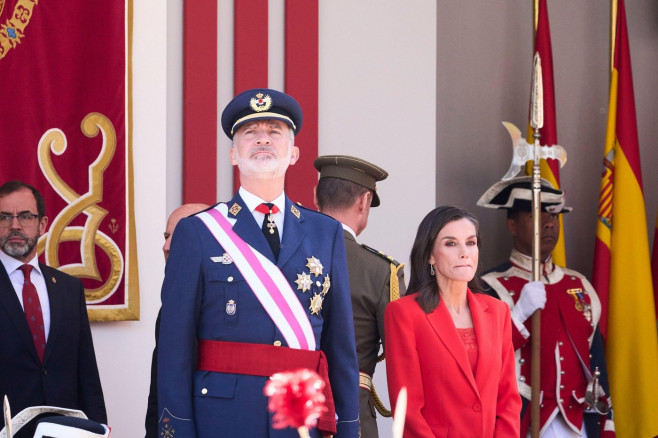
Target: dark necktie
{"x":33,"y":314}
{"x":269,"y":228}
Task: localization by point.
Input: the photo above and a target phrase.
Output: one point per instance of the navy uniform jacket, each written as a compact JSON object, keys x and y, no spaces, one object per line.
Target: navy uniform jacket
{"x":68,"y":377}
{"x":195,"y":294}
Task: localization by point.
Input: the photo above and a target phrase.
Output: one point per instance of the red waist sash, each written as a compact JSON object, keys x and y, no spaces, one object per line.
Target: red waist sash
{"x":265,"y":360}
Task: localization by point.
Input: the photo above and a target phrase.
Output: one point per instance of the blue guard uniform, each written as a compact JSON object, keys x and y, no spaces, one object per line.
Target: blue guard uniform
{"x":206,"y":297}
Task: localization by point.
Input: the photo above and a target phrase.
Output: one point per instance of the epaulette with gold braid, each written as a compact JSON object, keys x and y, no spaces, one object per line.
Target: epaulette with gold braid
{"x":394,"y":295}
{"x":381,"y":254}
{"x":395,"y":269}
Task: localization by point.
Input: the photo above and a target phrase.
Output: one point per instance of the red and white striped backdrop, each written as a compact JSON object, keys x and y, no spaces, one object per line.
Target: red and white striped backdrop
{"x":252,"y":67}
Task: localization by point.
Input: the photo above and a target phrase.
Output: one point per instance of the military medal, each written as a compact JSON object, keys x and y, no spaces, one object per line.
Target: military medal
{"x":270,"y":223}
{"x":580,"y":303}
{"x":303,"y":282}
{"x":326,"y":285}
{"x":230,"y":307}
{"x":314,"y":266}
{"x":316,"y":304}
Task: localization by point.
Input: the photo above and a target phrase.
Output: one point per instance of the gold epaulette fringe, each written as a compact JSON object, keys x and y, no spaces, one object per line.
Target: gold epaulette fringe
{"x":394,"y":295}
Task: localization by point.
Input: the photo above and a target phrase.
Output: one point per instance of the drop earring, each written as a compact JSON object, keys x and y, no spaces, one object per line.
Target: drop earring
{"x":432,"y":270}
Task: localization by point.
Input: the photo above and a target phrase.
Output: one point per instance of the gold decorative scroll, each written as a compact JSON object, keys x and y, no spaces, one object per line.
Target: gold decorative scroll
{"x":89,"y":236}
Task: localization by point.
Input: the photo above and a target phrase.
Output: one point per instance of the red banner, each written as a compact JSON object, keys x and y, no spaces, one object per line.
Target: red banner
{"x":65,"y":128}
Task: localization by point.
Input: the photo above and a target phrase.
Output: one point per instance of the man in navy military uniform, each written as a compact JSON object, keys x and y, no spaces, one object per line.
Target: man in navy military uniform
{"x":252,"y":287}
{"x":571,"y":344}
{"x":346,"y":191}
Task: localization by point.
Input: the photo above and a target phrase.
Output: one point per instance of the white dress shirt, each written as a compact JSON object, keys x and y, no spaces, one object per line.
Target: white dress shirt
{"x":252,"y":201}
{"x":36,"y":277}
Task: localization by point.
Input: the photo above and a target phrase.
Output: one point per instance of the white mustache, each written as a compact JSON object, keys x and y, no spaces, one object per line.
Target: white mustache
{"x":258,"y":149}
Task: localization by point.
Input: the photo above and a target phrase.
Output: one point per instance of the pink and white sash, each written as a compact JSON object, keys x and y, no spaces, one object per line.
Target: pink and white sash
{"x":265,"y":279}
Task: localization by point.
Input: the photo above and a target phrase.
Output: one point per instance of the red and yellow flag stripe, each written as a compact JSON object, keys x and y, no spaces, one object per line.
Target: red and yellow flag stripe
{"x":622,"y":238}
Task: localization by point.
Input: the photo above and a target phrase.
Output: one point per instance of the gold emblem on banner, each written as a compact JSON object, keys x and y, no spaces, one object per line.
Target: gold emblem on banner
{"x":89,"y":236}
{"x":13,"y":30}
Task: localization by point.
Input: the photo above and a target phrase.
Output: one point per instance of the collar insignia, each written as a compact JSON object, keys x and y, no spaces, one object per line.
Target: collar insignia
{"x":235,"y":209}
{"x":294,"y":211}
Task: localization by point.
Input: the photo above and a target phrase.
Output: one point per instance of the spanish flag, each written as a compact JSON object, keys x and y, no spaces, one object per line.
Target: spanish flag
{"x":654,"y":267}
{"x":550,"y":169}
{"x":622,"y":268}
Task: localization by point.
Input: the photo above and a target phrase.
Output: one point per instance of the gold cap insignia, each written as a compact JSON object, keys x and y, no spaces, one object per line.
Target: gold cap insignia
{"x":235,"y":209}
{"x":260,"y":102}
{"x":294,"y":211}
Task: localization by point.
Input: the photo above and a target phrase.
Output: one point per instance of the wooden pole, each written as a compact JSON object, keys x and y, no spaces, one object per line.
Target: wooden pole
{"x":537,"y":122}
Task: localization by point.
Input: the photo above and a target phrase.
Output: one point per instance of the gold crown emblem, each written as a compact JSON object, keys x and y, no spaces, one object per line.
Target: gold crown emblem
{"x":260,"y":102}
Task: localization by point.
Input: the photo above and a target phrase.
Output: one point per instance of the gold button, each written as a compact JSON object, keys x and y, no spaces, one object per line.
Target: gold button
{"x":277,"y":343}
{"x":230,"y":279}
{"x":562,"y":372}
{"x":561,"y":358}
{"x":559,"y":343}
{"x":561,"y":386}
{"x":204,"y":391}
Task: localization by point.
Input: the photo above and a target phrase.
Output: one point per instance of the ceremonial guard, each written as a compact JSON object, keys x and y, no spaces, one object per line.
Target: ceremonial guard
{"x":573,"y":382}
{"x":252,"y":287}
{"x":346,"y":191}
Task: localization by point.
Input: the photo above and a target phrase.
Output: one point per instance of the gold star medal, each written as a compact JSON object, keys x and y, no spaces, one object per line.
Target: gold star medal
{"x":303,"y":282}
{"x":314,"y":266}
{"x":316,"y":304}
{"x":326,"y":285}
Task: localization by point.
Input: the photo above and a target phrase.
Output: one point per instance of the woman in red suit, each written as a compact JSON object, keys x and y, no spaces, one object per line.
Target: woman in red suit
{"x":449,"y":346}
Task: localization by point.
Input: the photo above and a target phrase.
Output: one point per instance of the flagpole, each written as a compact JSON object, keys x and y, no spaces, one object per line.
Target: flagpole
{"x":613,"y":32}
{"x":537,"y":122}
{"x":535,"y":14}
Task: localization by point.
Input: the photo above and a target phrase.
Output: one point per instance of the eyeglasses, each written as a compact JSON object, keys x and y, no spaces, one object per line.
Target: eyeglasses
{"x":24,"y":219}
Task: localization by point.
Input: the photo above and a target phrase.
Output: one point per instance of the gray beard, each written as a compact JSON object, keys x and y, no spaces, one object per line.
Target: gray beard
{"x":21,"y":250}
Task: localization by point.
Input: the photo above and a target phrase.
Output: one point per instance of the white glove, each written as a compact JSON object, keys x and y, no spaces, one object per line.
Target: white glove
{"x":533,"y":297}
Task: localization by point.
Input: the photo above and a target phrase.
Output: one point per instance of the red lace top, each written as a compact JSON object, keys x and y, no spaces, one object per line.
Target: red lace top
{"x":467,"y":335}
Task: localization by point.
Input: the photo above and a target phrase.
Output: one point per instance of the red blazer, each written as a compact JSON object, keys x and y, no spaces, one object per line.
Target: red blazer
{"x":425,"y":354}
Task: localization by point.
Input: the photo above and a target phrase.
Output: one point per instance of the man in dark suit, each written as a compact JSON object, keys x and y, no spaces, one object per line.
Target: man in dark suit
{"x":46,"y":349}
{"x":253,"y":287}
{"x":346,"y":191}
